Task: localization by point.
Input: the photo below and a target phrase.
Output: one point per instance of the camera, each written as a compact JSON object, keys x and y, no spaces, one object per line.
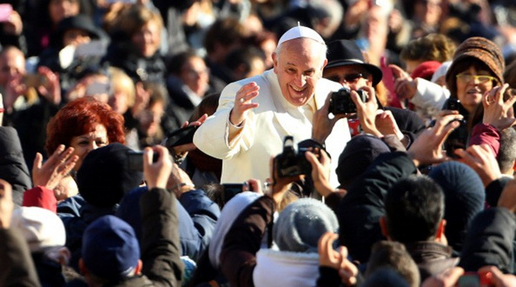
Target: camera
{"x":135,"y":160}
{"x":458,"y":139}
{"x":341,"y":102}
{"x":232,"y":189}
{"x":291,"y":162}
{"x":454,"y":104}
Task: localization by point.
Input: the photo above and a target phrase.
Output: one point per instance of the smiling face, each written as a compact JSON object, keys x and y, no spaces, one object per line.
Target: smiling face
{"x":298,"y":67}
{"x":147,"y":38}
{"x":470,"y":91}
{"x":83,"y":144}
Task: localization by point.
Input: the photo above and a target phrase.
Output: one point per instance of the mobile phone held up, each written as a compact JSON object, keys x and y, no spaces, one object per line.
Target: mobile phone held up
{"x":180,"y":136}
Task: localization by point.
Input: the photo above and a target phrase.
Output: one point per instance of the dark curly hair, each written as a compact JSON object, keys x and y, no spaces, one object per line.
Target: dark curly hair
{"x":80,"y":117}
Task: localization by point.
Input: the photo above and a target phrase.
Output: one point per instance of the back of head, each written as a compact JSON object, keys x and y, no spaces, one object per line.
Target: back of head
{"x":358,"y":154}
{"x":301,"y":224}
{"x":464,"y":198}
{"x":393,"y":255}
{"x":41,"y":228}
{"x":414,"y":207}
{"x":385,"y":277}
{"x":104,"y":176}
{"x":110,"y":250}
{"x":507,"y":152}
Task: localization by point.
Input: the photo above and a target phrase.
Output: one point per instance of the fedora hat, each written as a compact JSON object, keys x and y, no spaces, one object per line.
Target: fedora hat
{"x":346,"y":53}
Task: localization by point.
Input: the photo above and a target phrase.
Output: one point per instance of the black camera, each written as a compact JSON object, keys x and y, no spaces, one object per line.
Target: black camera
{"x":454,"y":104}
{"x":341,"y":102}
{"x":135,"y":160}
{"x":180,"y":137}
{"x":291,"y":162}
{"x":458,"y":139}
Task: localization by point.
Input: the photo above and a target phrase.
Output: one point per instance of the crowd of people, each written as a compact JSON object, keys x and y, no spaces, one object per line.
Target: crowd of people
{"x":257,"y":143}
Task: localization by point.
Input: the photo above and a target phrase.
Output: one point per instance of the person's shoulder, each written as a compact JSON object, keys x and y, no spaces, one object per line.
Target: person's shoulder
{"x":328,"y":85}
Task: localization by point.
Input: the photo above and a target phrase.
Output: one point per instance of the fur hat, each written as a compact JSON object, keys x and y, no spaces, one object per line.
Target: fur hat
{"x":41,"y":228}
{"x":482,"y":50}
{"x":346,"y":53}
{"x":302,"y":223}
{"x":464,"y":198}
{"x":104,"y":176}
{"x":110,"y":249}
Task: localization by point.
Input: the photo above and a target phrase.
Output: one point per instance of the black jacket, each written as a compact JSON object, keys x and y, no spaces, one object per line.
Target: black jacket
{"x":360,"y":210}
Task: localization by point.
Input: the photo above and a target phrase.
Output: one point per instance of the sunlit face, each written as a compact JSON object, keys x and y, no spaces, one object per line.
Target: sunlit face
{"x":470,"y":92}
{"x":150,"y":119}
{"x":12,"y":64}
{"x":298,"y":67}
{"x":147,"y":39}
{"x":428,"y":11}
{"x":75,"y":37}
{"x":353,"y":76}
{"x":60,"y":9}
{"x":195,"y":75}
{"x":83,"y":144}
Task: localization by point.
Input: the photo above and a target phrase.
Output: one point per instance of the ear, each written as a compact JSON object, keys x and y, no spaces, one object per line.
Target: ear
{"x":383,"y":226}
{"x":138,"y":269}
{"x":440,"y":236}
{"x":82,"y":268}
{"x":275,"y":62}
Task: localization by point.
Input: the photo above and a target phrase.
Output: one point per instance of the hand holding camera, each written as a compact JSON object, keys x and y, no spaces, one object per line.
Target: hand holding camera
{"x":156,"y":173}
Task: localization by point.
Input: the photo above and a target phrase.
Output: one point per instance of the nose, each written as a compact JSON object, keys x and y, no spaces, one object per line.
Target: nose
{"x":300,"y":80}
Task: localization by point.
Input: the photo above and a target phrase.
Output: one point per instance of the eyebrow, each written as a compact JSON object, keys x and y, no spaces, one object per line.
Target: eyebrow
{"x":292,"y":64}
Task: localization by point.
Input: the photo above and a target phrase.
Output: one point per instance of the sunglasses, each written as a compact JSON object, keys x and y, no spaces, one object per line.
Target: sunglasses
{"x":350,"y":78}
{"x":480,"y":78}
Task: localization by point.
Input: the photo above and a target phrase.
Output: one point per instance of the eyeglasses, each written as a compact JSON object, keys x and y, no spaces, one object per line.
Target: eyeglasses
{"x":480,"y":78}
{"x":351,"y":78}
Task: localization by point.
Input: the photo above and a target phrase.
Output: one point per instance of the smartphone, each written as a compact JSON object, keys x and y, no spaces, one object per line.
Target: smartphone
{"x":180,"y":136}
{"x":5,"y":12}
{"x":232,"y":189}
{"x":135,"y":160}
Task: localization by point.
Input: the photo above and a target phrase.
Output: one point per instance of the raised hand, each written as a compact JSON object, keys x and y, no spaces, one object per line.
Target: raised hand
{"x":58,"y":165}
{"x":328,"y":257}
{"x":243,"y":102}
{"x":156,"y":174}
{"x":322,"y":125}
{"x":427,"y":148}
{"x":482,"y":160}
{"x":496,"y":110}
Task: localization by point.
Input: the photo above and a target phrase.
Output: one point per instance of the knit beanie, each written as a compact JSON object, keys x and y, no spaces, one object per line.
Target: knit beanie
{"x":481,"y":49}
{"x":464,"y":198}
{"x":302,"y":223}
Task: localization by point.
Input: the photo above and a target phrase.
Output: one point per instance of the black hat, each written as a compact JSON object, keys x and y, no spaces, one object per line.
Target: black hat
{"x":81,"y":22}
{"x":345,"y":53}
{"x":104,"y":176}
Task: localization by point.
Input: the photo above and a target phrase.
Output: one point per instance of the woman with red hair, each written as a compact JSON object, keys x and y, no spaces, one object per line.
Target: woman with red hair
{"x":84,"y":124}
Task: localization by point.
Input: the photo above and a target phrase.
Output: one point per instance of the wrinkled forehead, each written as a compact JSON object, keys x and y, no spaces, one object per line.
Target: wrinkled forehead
{"x":304,"y":49}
